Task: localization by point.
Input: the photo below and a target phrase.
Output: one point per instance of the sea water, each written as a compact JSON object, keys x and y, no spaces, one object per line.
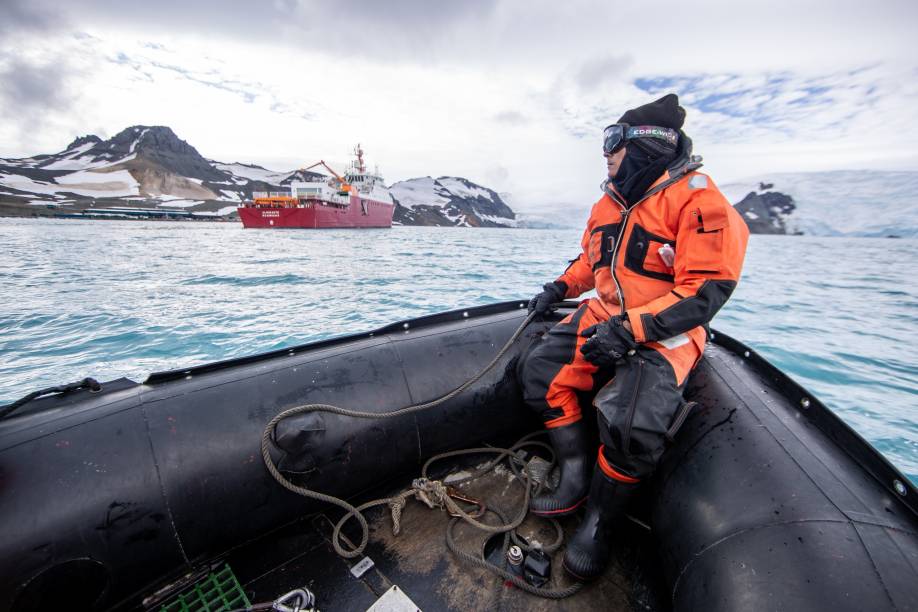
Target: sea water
{"x":124,"y":298}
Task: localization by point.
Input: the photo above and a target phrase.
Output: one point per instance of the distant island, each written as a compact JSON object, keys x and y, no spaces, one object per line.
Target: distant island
{"x":767,"y":212}
{"x":149,"y":172}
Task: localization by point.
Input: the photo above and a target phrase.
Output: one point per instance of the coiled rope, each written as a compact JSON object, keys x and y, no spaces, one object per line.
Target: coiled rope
{"x":430,"y":491}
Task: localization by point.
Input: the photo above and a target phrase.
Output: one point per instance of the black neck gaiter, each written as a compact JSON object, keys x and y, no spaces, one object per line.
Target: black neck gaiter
{"x":638,"y":171}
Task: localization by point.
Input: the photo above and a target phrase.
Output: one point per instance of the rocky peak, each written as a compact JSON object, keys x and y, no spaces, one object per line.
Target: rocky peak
{"x":157,"y":138}
{"x":82,"y":140}
{"x":160,"y":145}
{"x":471,"y":197}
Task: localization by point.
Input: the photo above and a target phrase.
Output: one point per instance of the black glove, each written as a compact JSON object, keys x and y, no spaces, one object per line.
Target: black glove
{"x":552,"y":292}
{"x":608,"y":342}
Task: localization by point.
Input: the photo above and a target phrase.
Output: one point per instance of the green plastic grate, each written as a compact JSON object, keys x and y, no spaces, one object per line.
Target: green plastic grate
{"x":217,"y":592}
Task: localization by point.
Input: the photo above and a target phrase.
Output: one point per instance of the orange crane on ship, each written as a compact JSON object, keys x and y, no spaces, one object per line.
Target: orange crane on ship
{"x":343,"y":186}
{"x":287,"y":201}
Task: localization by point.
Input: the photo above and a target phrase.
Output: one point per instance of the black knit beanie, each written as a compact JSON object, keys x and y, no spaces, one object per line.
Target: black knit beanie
{"x":664,"y":112}
{"x":647,"y":158}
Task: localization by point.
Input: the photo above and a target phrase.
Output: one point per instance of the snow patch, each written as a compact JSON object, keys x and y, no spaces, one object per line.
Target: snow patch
{"x":217,"y":213}
{"x":103,"y":181}
{"x":137,"y":140}
{"x":499,"y":220}
{"x":254,"y":173}
{"x":458,"y":187}
{"x":418,"y":192}
{"x":95,"y":184}
{"x":72,"y":164}
{"x":85,"y":163}
{"x":453,"y":215}
{"x":24,"y":183}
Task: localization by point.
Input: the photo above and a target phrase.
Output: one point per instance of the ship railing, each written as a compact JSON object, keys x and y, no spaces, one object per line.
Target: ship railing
{"x":303,"y":199}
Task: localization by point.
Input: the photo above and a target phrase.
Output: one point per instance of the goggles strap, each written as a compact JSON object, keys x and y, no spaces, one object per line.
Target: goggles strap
{"x":652,"y":131}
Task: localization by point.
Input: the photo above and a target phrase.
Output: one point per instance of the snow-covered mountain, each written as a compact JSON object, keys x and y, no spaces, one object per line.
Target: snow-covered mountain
{"x":149,"y":166}
{"x":449,"y":200}
{"x":838,"y":203}
{"x":142,"y":167}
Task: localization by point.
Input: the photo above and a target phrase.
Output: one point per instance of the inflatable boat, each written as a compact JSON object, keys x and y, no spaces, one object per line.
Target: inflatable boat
{"x":126,"y":495}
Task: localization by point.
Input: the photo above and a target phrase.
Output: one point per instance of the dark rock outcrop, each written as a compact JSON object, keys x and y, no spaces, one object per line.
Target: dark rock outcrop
{"x":419,"y":215}
{"x":490,"y":205}
{"x":160,"y":145}
{"x":91,"y":138}
{"x":766,"y":213}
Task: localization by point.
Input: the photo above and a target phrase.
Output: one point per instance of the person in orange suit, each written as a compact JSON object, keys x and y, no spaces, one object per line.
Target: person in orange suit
{"x":663,"y":249}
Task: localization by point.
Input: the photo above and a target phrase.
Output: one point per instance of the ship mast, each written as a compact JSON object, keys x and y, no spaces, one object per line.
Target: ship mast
{"x":362,"y":169}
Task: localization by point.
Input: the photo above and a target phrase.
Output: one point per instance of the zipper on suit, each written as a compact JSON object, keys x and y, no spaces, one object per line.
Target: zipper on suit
{"x":621,"y":232}
{"x":629,"y":418}
{"x":626,"y":212}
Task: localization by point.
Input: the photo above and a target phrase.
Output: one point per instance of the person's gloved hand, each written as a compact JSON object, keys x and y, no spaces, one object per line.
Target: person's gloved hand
{"x":552,"y":292}
{"x":608,"y":342}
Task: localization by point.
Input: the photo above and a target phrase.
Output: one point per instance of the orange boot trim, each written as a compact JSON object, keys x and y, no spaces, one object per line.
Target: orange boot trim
{"x":561,"y":421}
{"x":611,"y":472}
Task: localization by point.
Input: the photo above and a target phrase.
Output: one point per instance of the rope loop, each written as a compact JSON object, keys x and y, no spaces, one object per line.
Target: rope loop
{"x":433,"y":493}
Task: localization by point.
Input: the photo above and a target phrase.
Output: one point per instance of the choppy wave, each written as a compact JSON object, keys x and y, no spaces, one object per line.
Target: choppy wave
{"x":246,"y":281}
{"x":82,"y":298}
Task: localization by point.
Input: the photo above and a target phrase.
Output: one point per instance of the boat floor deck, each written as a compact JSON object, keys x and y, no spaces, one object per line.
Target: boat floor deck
{"x":419,"y":564}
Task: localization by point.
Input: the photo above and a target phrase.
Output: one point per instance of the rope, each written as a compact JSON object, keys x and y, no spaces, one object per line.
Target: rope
{"x":518,"y":582}
{"x":433,"y":493}
{"x":509,"y":534}
{"x":89,"y":383}
{"x":267,"y":439}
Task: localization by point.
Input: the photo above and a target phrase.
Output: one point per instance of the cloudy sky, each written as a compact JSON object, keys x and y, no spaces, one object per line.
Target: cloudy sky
{"x":512,"y":94}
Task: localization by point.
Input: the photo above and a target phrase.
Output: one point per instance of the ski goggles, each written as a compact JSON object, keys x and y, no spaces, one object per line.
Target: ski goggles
{"x":615,"y":135}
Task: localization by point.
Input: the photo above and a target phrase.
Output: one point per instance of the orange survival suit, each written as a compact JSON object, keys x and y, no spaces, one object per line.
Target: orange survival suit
{"x":668,"y":263}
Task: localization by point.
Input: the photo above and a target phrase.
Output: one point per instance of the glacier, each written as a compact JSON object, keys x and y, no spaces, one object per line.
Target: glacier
{"x":871,"y":203}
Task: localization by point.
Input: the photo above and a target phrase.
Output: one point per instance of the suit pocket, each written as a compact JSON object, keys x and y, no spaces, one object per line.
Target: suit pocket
{"x":602,"y":243}
{"x":643,"y":254}
{"x":705,"y":255}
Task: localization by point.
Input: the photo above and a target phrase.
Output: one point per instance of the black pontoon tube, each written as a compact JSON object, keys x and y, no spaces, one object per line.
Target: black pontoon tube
{"x":768,"y":501}
{"x":123,"y":489}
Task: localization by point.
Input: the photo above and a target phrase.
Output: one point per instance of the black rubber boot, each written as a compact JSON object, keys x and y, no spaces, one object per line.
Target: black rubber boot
{"x":572,"y":450}
{"x":587,"y":552}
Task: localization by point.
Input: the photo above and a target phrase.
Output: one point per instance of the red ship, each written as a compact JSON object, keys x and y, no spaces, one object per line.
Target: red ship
{"x":357,"y":199}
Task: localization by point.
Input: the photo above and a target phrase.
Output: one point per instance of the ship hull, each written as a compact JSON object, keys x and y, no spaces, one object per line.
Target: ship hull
{"x":317,"y":215}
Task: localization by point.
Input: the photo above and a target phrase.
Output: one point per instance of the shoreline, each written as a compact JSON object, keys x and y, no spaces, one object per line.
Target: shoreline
{"x":22,"y":210}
